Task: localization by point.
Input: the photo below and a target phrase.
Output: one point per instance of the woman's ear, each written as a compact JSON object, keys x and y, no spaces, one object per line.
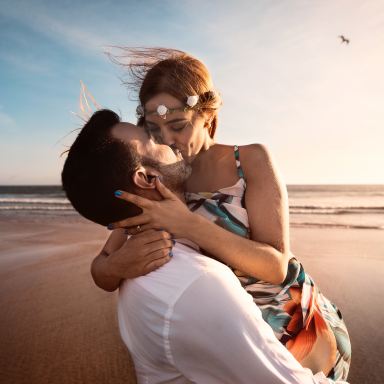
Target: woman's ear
{"x":144,"y":179}
{"x":208,"y":120}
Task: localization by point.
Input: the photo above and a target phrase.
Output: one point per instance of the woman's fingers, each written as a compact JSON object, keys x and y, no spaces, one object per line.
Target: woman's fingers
{"x":164,"y":191}
{"x":157,"y":263}
{"x":131,"y":222}
{"x":159,"y":245}
{"x":151,"y":235}
{"x":141,"y":202}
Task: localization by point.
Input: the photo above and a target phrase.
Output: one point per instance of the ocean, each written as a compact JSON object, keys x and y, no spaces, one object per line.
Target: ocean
{"x":346,"y":206}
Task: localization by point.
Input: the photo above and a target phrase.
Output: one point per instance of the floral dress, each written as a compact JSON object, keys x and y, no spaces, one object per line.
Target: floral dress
{"x":302,"y":318}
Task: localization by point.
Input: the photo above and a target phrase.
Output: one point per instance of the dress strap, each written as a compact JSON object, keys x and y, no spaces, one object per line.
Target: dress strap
{"x":240,"y":171}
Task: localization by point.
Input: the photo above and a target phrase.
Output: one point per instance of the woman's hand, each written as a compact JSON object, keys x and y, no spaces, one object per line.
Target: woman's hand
{"x":123,"y":258}
{"x":141,"y":254}
{"x":168,"y":214}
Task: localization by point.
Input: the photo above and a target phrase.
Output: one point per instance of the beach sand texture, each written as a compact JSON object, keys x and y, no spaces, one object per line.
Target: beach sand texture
{"x":58,"y":327}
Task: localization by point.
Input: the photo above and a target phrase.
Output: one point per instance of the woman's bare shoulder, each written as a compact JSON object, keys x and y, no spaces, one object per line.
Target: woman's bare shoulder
{"x":260,"y":168}
{"x":254,"y":149}
{"x":261,"y":173}
{"x":255,"y":155}
{"x":248,"y":150}
{"x":255,"y":159}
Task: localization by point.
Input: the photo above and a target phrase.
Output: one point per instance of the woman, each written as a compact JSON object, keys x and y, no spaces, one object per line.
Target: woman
{"x":241,"y":218}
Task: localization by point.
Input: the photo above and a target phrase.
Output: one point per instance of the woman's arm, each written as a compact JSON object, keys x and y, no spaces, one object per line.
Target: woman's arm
{"x":100,"y":267}
{"x":266,"y":255}
{"x":123,"y":258}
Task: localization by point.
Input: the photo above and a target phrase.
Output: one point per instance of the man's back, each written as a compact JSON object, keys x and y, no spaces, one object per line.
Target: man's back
{"x":146,"y":306}
{"x":191,"y":321}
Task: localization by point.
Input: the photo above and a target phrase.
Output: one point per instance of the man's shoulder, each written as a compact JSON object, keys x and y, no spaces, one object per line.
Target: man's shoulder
{"x":194,"y":264}
{"x":168,"y":283}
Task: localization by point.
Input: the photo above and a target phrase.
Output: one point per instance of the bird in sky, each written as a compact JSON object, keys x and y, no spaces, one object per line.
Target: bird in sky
{"x":344,"y":39}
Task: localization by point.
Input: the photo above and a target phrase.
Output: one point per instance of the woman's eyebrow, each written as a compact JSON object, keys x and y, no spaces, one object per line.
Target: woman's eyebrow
{"x":176,"y":120}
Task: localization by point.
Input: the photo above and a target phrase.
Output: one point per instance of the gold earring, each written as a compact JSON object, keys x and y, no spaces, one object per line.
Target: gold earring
{"x":208,"y":124}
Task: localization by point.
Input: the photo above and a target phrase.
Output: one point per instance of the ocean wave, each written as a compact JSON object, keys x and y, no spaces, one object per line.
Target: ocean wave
{"x":328,"y":210}
{"x":335,"y":225}
{"x":33,"y":200}
{"x":36,"y":208}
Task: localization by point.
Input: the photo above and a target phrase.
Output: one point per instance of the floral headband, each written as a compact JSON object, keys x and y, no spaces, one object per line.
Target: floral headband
{"x":190,"y":103}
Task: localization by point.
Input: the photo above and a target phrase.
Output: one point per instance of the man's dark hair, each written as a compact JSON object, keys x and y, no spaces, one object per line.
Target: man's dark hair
{"x":96,"y":166}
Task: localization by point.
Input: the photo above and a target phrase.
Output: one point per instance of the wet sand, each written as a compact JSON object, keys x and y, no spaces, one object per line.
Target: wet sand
{"x":56,"y":326}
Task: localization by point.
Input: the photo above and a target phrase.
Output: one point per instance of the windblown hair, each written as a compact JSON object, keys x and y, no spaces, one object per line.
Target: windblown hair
{"x":156,"y":70}
{"x":97,"y":165}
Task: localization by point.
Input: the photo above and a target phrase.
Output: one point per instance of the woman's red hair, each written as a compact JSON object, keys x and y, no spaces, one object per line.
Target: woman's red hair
{"x":161,"y":70}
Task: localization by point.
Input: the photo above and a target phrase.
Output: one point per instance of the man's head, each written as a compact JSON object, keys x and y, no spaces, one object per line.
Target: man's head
{"x":109,"y":155}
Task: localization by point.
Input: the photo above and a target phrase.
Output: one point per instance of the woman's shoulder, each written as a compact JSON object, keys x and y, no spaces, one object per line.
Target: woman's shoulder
{"x":250,"y":155}
{"x":256,"y":160}
{"x":255,"y":149}
{"x":254,"y":153}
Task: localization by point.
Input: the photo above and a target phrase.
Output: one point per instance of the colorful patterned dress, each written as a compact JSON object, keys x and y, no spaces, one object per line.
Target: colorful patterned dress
{"x":305,"y":321}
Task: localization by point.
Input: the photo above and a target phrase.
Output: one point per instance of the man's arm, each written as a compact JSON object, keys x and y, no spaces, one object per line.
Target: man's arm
{"x":217,"y":335}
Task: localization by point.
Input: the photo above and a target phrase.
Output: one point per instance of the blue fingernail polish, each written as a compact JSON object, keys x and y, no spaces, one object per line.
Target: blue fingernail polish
{"x":110,"y":226}
{"x":170,"y":253}
{"x":118,"y":193}
{"x":173,"y":241}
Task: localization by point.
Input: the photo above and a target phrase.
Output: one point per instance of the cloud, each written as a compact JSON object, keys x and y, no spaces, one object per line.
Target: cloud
{"x":64,"y":29}
{"x":24,"y":63}
{"x":89,"y":26}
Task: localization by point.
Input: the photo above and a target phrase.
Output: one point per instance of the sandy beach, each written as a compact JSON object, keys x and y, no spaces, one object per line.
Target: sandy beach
{"x":58,"y":327}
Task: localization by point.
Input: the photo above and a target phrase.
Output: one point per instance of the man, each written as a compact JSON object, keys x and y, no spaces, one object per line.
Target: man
{"x":190,"y":320}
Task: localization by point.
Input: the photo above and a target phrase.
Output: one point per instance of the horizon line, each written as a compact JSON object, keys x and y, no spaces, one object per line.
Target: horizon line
{"x":287,"y":184}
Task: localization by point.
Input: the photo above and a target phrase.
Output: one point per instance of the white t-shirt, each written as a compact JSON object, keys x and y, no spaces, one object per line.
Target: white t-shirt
{"x":191,"y":321}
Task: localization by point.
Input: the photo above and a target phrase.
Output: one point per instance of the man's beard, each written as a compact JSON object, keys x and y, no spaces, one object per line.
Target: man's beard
{"x":173,"y":176}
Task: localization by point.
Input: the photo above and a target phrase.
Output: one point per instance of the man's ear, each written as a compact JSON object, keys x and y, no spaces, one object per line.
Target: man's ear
{"x":144,"y":178}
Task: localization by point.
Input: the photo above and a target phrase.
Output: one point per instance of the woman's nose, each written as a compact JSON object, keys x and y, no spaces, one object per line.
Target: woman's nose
{"x":167,"y":138}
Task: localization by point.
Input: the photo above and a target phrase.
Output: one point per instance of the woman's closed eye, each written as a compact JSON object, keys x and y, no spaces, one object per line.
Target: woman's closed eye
{"x":178,"y":127}
{"x":155,"y":132}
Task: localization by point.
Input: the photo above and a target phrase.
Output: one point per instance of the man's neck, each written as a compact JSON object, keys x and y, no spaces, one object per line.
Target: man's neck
{"x":153,"y":194}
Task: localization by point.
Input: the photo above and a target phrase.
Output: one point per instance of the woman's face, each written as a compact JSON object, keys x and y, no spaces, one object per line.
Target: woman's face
{"x":184,"y":130}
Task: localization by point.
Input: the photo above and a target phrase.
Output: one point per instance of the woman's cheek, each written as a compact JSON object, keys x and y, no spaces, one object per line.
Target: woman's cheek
{"x":191,"y":148}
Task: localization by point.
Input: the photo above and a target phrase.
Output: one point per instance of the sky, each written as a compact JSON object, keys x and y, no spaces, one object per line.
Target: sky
{"x":286,"y":79}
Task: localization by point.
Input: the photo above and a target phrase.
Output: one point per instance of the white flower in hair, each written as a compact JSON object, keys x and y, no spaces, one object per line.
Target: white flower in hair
{"x":162,"y":110}
{"x":192,"y":101}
